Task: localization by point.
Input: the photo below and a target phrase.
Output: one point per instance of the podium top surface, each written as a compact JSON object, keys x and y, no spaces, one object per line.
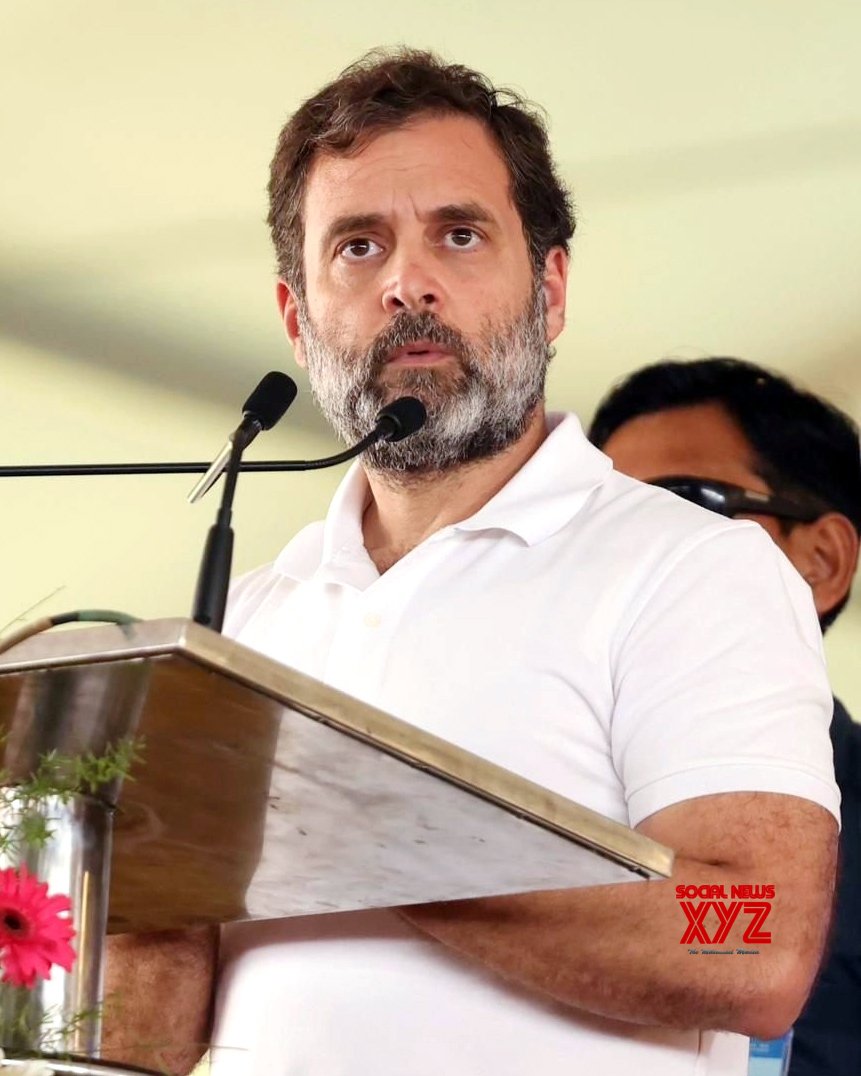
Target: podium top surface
{"x":263,"y":792}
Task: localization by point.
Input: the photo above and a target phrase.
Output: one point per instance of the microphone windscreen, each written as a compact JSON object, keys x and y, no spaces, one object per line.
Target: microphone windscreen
{"x":270,"y":399}
{"x":404,"y":416}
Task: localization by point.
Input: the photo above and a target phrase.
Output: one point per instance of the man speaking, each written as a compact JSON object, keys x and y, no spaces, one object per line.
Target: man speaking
{"x":492,"y":580}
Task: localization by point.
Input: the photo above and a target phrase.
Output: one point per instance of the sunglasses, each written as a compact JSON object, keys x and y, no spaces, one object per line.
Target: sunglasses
{"x":729,"y":500}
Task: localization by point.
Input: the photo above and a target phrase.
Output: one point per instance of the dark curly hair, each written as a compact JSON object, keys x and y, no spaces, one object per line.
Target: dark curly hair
{"x":381,"y":92}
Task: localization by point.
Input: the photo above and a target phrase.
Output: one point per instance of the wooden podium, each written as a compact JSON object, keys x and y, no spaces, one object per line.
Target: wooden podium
{"x":262,"y":793}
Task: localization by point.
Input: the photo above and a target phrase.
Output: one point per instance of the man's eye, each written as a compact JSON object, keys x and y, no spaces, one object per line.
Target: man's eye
{"x":462,"y":238}
{"x":357,"y":249}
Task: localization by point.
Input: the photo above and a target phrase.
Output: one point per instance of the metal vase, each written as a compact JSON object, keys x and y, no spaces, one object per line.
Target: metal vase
{"x":61,"y":1014}
{"x":69,"y":712}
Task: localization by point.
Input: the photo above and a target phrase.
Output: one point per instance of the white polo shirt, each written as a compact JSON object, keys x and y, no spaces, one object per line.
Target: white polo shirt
{"x":598,"y":636}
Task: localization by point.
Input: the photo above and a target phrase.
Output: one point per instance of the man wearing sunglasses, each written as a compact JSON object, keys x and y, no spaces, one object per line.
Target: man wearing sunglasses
{"x":738,"y":440}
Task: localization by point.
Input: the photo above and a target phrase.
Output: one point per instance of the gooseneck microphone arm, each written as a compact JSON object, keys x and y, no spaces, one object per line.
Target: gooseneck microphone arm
{"x":73,"y":470}
{"x":206,"y":483}
{"x":395,"y":422}
{"x":70,"y":470}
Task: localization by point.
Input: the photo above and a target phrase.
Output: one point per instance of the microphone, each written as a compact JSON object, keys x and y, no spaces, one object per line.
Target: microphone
{"x":395,"y":421}
{"x":268,"y":402}
{"x":263,"y":408}
{"x":402,"y":417}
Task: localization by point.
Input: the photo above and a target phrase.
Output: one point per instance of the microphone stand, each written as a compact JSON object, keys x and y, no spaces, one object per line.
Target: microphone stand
{"x":213,"y":581}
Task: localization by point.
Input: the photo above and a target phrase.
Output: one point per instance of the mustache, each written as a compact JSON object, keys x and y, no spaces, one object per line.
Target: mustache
{"x":408,"y":328}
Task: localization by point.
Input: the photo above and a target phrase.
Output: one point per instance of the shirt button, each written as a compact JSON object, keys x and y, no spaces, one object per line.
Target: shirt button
{"x":373,"y":620}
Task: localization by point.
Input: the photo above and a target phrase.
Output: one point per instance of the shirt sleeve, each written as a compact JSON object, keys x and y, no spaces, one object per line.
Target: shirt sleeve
{"x":720,"y":680}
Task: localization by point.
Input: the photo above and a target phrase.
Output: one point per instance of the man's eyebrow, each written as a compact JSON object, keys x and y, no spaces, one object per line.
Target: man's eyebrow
{"x":462,"y":213}
{"x":352,"y":222}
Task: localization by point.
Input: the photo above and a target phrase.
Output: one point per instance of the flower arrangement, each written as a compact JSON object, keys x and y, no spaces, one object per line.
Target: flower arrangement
{"x":37,"y":934}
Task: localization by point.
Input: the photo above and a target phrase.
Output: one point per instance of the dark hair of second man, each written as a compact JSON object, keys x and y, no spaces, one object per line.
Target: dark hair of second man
{"x":803,"y":446}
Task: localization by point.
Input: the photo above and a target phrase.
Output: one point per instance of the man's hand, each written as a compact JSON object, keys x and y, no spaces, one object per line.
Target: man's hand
{"x":615,"y":950}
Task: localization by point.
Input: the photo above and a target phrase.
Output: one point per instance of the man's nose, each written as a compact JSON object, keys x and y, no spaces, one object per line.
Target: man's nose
{"x":412,"y":286}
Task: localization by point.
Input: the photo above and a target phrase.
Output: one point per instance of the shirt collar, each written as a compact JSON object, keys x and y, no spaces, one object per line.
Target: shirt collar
{"x":550,"y":488}
{"x":544,"y":495}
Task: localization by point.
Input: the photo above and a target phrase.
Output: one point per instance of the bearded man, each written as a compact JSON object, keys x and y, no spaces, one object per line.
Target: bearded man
{"x":492,"y":580}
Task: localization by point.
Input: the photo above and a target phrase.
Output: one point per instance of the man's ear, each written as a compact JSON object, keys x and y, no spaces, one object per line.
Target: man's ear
{"x":826,"y":554}
{"x":288,"y":308}
{"x":555,"y":284}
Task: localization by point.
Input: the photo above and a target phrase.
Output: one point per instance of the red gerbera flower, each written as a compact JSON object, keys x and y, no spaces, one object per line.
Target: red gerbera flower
{"x":33,"y":934}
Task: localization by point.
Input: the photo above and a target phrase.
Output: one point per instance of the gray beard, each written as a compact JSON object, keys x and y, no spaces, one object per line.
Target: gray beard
{"x":476,"y":409}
